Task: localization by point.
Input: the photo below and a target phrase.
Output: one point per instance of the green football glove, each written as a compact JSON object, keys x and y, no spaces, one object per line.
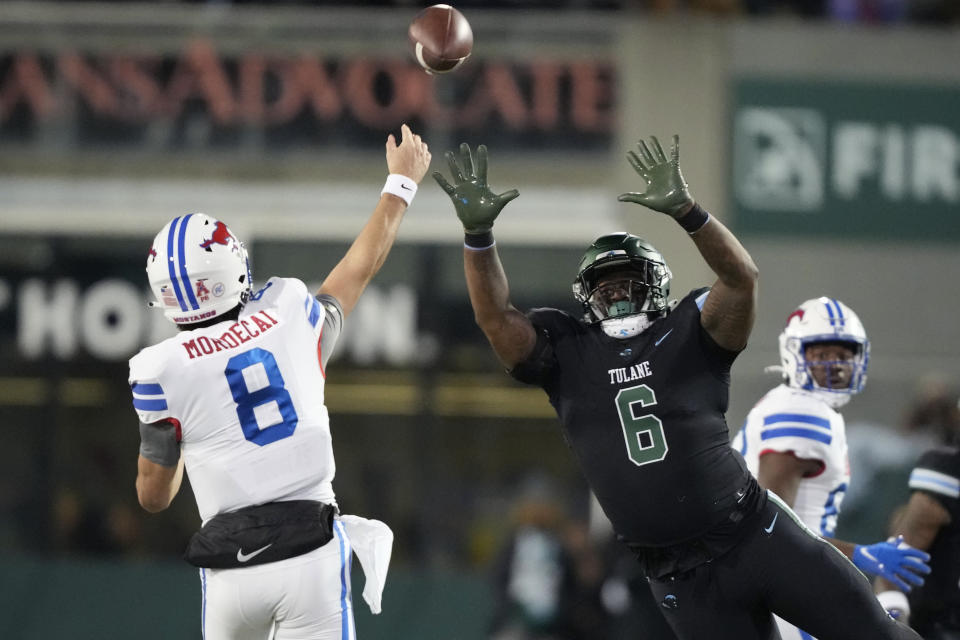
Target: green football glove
{"x":477,"y":206}
{"x":667,"y":191}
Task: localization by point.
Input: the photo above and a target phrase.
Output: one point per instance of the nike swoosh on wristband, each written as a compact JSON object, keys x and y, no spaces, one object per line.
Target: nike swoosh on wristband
{"x":662,"y":338}
{"x":403,"y":186}
{"x":773,"y":523}
{"x":245,"y":557}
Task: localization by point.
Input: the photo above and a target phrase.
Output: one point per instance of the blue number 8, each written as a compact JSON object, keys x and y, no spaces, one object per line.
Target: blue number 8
{"x":248,"y":400}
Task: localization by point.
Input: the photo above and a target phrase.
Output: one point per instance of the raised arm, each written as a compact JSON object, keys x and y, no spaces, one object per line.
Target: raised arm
{"x":730,"y":309}
{"x":509,"y":331}
{"x":407,"y":163}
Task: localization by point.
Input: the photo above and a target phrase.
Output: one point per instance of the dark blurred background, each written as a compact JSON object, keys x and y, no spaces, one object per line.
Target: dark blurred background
{"x":825,"y":133}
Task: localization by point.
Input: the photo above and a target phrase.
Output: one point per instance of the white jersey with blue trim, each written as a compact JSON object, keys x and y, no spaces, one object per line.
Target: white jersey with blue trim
{"x":248,"y":399}
{"x":790,"y":420}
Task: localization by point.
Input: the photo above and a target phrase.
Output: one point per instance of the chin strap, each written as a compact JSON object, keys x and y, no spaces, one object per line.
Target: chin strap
{"x":626,"y":327}
{"x":835,"y":399}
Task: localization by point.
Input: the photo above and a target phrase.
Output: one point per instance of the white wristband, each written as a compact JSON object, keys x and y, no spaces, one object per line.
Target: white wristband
{"x":400,"y":186}
{"x":890,"y":600}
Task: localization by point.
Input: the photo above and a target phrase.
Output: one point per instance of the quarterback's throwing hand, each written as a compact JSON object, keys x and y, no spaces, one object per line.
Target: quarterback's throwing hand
{"x":411,"y":157}
{"x":667,"y":191}
{"x":894,"y":560}
{"x":477,"y":206}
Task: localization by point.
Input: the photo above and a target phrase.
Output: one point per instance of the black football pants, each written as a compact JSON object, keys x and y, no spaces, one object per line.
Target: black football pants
{"x":779,"y":566}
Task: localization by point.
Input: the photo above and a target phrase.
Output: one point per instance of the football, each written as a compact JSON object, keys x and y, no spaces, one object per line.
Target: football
{"x":440,"y":38}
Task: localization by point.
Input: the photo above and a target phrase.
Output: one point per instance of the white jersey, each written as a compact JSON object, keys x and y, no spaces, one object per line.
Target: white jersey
{"x":789,"y":420}
{"x":247,"y":399}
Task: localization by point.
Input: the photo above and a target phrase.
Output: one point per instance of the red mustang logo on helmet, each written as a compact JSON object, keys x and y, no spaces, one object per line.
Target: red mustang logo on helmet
{"x":153,"y":253}
{"x":221,"y":235}
{"x":796,"y":314}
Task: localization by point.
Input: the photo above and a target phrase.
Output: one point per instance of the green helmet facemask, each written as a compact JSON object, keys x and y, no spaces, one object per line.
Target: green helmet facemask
{"x":620,"y":275}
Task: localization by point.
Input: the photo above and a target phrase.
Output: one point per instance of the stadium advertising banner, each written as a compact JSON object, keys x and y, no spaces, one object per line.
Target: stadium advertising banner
{"x":846,"y":159}
{"x":84,"y":300}
{"x":203,"y":97}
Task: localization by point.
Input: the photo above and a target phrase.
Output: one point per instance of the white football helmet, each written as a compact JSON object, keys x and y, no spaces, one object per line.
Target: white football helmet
{"x":823,"y":320}
{"x":197,"y":269}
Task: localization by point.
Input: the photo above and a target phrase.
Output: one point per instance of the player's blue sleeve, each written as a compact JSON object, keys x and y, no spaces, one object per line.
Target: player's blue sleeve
{"x":805,"y":434}
{"x":805,"y":426}
{"x":150,"y":400}
{"x":148,"y":396}
{"x":291,"y":296}
{"x":787,"y":421}
{"x":313,"y":311}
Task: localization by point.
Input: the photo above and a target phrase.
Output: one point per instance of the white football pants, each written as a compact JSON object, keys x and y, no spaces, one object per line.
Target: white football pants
{"x":303,"y":598}
{"x":790,"y":632}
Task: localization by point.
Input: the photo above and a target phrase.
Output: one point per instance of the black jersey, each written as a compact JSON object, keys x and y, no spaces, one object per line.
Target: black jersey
{"x":644,"y":417}
{"x":937,"y":473}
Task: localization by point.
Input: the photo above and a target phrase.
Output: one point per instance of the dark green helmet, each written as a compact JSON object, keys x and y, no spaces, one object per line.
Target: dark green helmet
{"x":643,"y":289}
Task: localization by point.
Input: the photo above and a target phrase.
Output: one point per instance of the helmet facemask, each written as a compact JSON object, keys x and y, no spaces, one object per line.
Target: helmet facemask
{"x":623,"y":281}
{"x":819,"y":323}
{"x":836,"y":372}
{"x":619,"y":293}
